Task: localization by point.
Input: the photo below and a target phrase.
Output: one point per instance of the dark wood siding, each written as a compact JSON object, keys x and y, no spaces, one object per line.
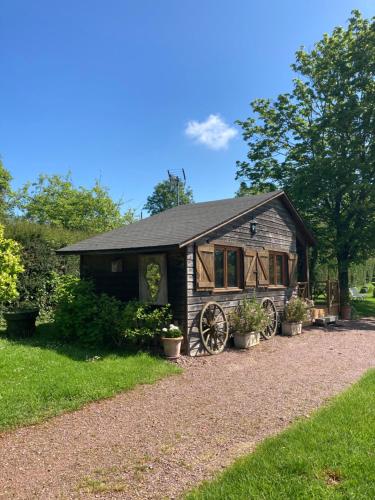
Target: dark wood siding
{"x":275,"y":229}
{"x":176,"y":269}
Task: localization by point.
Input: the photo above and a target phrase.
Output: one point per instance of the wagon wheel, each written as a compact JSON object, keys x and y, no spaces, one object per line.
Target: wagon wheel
{"x":270,"y":330}
{"x":213,"y":327}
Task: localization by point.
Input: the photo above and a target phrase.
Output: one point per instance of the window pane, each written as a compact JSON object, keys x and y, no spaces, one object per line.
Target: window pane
{"x":219,"y":268}
{"x":279,"y":269}
{"x":272,"y":270}
{"x":232,"y":268}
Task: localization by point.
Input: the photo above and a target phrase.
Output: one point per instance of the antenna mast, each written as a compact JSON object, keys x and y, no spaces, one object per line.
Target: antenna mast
{"x":177,"y":178}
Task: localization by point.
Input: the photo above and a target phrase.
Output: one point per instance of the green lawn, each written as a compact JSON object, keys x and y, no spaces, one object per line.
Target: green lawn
{"x":329,"y":456}
{"x":41,"y":377}
{"x":365,"y":307}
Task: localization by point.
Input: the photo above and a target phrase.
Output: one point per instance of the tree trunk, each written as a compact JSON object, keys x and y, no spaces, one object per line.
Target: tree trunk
{"x":343,"y":271}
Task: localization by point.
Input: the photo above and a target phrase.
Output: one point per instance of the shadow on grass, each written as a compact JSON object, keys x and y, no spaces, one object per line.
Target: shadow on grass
{"x":46,"y":338}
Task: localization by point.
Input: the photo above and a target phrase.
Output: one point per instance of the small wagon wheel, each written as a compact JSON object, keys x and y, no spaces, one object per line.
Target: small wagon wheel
{"x":213,"y":327}
{"x":270,"y":307}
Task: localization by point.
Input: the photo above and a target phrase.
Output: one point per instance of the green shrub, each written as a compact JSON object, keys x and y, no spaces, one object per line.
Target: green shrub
{"x":40,"y":262}
{"x":248,"y":317}
{"x":90,"y":319}
{"x":295,"y":310}
{"x":142,"y":323}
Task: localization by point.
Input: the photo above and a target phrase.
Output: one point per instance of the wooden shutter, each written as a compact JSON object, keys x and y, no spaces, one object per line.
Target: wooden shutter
{"x":249,"y":267}
{"x":292,"y":269}
{"x":205,"y":266}
{"x":263,"y":267}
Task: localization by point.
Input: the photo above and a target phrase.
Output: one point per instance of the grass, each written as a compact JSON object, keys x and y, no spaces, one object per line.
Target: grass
{"x":365,"y":308}
{"x":40,"y":377}
{"x":329,"y":456}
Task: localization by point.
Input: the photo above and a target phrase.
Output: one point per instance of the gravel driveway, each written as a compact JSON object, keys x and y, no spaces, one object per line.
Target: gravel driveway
{"x":157,"y":441}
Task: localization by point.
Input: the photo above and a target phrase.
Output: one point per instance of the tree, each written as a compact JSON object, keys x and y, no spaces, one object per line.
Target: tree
{"x":54,"y":200}
{"x":10,"y":267}
{"x":165,"y":196}
{"x":317,"y":143}
{"x":5,"y":191}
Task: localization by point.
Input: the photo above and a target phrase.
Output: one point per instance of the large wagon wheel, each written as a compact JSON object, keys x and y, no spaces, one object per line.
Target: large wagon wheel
{"x":270,"y":307}
{"x":213,"y":327}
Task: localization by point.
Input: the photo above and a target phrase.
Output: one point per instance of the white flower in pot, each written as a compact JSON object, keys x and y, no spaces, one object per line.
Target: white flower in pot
{"x":172,"y":339}
{"x":247,"y":321}
{"x":295,"y":313}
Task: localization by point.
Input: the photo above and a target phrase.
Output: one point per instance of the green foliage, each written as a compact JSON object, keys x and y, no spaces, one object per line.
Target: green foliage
{"x":249,"y":317}
{"x":295,"y":310}
{"x":164,"y":196}
{"x":10,"y":268}
{"x":54,"y":200}
{"x":42,"y":266}
{"x":42,"y":376}
{"x":142,"y":322}
{"x":5,"y":192}
{"x":328,"y":456}
{"x":317,"y":142}
{"x":90,"y":319}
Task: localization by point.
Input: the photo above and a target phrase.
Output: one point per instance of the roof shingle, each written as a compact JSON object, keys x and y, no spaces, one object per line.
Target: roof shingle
{"x":175,"y":226}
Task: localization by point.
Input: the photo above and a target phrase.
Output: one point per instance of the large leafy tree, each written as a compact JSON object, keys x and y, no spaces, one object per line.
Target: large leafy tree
{"x":55,"y":201}
{"x":166,"y":195}
{"x":317,"y":142}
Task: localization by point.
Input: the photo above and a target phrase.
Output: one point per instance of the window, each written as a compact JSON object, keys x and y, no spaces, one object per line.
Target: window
{"x":227,"y":260}
{"x":116,"y":266}
{"x":278,"y":269}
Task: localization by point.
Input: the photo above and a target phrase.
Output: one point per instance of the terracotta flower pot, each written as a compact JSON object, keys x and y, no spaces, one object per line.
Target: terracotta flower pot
{"x":172,"y":347}
{"x":291,"y":329}
{"x":246,"y":340}
{"x":346,"y":312}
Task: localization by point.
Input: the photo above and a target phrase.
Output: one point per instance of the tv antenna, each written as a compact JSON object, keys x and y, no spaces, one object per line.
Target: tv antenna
{"x":177,"y":178}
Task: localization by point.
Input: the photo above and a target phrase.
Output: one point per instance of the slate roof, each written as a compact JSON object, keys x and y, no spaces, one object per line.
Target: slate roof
{"x":174,"y":227}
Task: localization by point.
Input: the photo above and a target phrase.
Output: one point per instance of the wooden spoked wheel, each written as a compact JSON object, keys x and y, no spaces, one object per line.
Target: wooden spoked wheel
{"x":270,"y":307}
{"x":213,"y":328}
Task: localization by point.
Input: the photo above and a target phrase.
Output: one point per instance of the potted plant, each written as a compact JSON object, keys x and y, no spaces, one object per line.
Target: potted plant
{"x":247,"y":321}
{"x":20,"y":319}
{"x":295,"y":313}
{"x":172,"y":339}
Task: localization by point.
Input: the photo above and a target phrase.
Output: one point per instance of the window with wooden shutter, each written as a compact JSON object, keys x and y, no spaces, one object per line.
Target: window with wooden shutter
{"x":263,"y":267}
{"x":204,"y":266}
{"x":292,"y":269}
{"x":249,"y":267}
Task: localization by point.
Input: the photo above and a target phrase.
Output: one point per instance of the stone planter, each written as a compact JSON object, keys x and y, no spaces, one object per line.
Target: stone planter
{"x":246,"y":340}
{"x":346,"y":312}
{"x":172,"y":347}
{"x":21,"y":323}
{"x":291,"y":329}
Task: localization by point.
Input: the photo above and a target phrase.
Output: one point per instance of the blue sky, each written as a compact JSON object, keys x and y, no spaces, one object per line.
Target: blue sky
{"x":123,"y":90}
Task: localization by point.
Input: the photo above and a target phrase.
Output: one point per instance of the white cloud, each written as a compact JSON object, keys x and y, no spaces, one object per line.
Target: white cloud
{"x":213,"y":132}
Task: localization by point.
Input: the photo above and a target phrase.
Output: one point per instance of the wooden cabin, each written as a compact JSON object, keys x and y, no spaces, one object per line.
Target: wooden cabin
{"x":217,"y":251}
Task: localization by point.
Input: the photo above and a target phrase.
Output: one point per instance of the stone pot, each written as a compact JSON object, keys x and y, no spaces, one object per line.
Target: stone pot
{"x":346,"y":312}
{"x":246,"y":340}
{"x":172,"y":347}
{"x":21,"y":323}
{"x":291,"y":329}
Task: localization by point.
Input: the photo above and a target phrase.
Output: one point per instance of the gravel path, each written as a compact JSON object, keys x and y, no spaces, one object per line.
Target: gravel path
{"x":157,"y":441}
